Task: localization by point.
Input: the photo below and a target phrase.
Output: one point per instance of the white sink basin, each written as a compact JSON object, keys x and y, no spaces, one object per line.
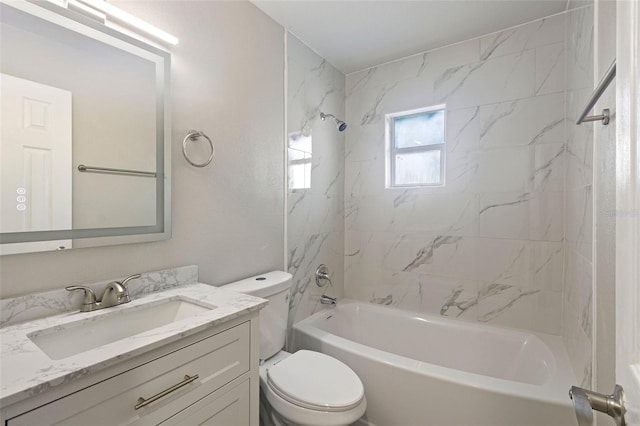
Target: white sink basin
{"x":89,"y":333}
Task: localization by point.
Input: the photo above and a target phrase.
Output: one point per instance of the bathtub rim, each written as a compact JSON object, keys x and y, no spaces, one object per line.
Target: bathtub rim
{"x":554,"y":391}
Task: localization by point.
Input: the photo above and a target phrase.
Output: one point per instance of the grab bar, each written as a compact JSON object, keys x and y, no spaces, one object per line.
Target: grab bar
{"x":597,"y":92}
{"x":92,"y":169}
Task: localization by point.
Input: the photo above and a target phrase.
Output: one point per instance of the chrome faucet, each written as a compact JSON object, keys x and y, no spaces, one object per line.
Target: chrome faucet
{"x":326,"y":300}
{"x":115,"y":293}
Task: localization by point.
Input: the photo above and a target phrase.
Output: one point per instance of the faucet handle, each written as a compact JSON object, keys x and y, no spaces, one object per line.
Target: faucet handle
{"x":129,"y":278}
{"x":89,"y":295}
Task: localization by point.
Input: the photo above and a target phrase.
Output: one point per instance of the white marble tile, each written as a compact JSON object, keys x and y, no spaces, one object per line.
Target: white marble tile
{"x":546,"y":212}
{"x":501,"y":79}
{"x":505,"y":215}
{"x":436,"y":61}
{"x":505,"y":170}
{"x":315,"y":215}
{"x":457,"y":298}
{"x":373,"y":213}
{"x":501,"y":302}
{"x":461,"y":172}
{"x":319,"y":213}
{"x":505,"y":140}
{"x":364,"y":143}
{"x":429,"y":294}
{"x":579,"y":291}
{"x":532,"y":216}
{"x":523,"y":308}
{"x":529,"y":121}
{"x":505,"y":262}
{"x":579,"y":348}
{"x":573,"y":277}
{"x":579,"y":44}
{"x":548,"y":264}
{"x":305,"y":255}
{"x":579,"y":223}
{"x":421,"y":68}
{"x":370,"y":108}
{"x":356,"y":245}
{"x":375,"y":77}
{"x":439,"y":255}
{"x":538,"y":33}
{"x":573,"y":4}
{"x":364,"y":178}
{"x":463,"y":132}
{"x":579,"y":163}
{"x":550,"y":69}
{"x":548,"y":168}
{"x":449,"y":214}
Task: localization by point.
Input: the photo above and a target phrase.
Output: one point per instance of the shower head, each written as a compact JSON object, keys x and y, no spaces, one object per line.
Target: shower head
{"x":341,"y":125}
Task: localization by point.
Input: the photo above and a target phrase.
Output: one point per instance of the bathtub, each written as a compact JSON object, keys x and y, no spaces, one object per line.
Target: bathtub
{"x":428,"y":370}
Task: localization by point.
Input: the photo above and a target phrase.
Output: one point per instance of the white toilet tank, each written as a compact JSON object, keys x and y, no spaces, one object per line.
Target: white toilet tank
{"x":273,"y":286}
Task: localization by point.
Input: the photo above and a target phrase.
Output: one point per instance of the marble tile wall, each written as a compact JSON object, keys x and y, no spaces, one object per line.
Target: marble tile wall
{"x":578,"y":264}
{"x":315,"y":224}
{"x":487,"y":246}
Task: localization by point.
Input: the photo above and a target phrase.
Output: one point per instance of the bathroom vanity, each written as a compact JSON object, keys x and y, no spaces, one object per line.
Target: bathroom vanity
{"x":184,"y":355}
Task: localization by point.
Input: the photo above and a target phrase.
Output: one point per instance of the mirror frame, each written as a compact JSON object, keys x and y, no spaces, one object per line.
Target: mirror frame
{"x":10,"y":243}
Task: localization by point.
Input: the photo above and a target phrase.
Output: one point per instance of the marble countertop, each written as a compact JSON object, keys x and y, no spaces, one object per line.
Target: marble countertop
{"x":26,"y":371}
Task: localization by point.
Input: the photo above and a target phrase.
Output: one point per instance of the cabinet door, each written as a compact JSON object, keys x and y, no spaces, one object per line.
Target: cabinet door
{"x":223,"y":408}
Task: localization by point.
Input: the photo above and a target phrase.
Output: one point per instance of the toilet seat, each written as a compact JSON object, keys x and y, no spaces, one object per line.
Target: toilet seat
{"x":316,"y":381}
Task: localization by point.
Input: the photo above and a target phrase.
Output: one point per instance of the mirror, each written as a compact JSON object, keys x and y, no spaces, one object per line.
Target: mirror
{"x":84,"y":127}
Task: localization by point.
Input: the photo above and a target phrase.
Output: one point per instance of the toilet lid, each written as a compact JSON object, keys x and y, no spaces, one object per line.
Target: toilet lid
{"x":316,"y":381}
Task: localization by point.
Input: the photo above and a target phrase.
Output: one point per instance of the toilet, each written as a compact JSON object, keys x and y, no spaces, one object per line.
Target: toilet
{"x":306,"y":387}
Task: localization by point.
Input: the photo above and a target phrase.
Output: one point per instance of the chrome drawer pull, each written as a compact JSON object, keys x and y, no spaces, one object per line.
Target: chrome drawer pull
{"x":144,"y":402}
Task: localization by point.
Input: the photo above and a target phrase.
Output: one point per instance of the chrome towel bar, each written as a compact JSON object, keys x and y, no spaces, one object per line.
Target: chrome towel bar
{"x":92,"y":169}
{"x":597,"y":92}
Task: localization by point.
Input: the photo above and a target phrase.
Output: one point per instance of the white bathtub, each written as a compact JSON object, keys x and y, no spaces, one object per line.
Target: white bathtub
{"x":428,"y":370}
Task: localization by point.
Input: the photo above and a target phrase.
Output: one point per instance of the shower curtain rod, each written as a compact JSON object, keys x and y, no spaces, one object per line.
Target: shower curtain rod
{"x":597,"y":92}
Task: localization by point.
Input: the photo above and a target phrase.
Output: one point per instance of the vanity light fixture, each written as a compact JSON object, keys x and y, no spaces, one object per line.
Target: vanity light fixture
{"x":86,"y":10}
{"x":120,"y":15}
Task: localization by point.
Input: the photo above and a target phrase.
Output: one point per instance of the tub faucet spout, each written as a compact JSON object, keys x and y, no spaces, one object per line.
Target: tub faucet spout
{"x":326,"y":300}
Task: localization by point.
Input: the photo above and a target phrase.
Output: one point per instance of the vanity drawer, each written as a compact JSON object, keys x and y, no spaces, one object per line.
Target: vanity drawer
{"x":226,"y":407}
{"x":216,"y":360}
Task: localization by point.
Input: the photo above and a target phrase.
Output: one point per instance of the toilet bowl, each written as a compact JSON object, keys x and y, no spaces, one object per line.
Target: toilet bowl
{"x":311,"y":388}
{"x":304,"y":388}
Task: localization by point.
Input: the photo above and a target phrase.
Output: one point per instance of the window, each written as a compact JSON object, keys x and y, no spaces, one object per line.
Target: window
{"x":415,"y":147}
{"x":299,"y":157}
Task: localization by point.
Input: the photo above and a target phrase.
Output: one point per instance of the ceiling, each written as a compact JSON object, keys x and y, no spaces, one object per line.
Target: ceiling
{"x":357,"y":34}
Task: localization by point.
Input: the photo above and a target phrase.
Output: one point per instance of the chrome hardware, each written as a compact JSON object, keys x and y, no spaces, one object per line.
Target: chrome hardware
{"x":326,"y":300}
{"x":604,"y":117}
{"x":115,"y":293}
{"x":144,"y":402}
{"x":89,"y":296}
{"x":584,"y":401}
{"x":322,"y":274}
{"x":193,"y":136}
{"x":112,"y":171}
{"x":597,"y":92}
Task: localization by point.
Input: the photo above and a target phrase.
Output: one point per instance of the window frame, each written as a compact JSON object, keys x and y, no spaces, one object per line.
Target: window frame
{"x":392,"y":150}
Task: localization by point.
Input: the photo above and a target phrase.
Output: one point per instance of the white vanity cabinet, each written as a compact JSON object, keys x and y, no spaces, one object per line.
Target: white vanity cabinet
{"x":161,"y":387}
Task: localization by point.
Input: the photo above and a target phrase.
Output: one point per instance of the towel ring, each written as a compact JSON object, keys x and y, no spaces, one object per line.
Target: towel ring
{"x":193,"y":136}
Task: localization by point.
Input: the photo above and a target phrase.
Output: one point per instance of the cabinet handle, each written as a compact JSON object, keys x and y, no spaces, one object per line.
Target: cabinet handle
{"x":144,"y":402}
